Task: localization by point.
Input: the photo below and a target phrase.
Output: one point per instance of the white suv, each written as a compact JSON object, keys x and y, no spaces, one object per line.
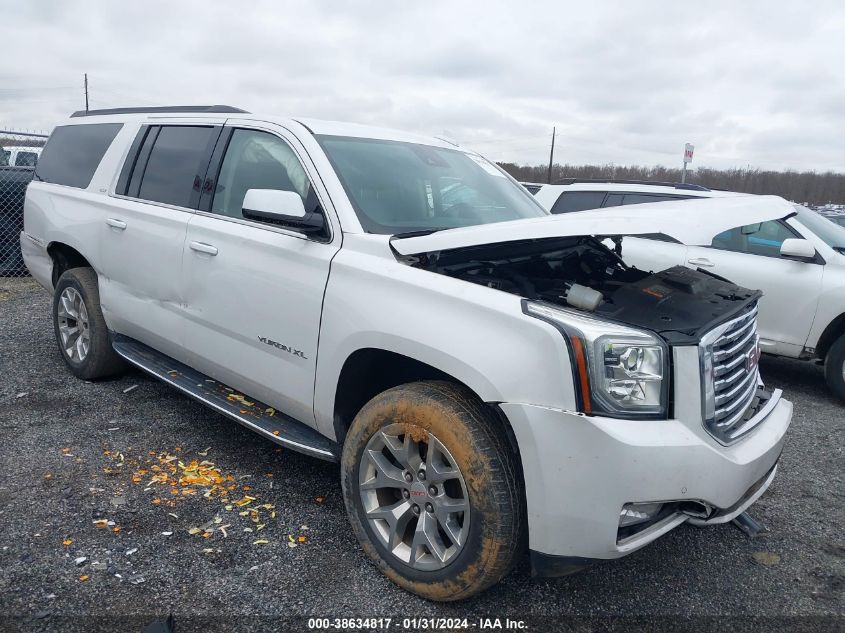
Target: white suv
{"x":797,"y":259}
{"x":488,"y":376}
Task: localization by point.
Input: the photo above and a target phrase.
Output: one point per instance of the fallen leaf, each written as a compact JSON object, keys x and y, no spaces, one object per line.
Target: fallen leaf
{"x":260,"y":542}
{"x":84,"y":577}
{"x":301,"y":539}
{"x":768,"y":559}
{"x":276,"y":433}
{"x":116,"y":529}
{"x":319,"y":499}
{"x":67,"y":542}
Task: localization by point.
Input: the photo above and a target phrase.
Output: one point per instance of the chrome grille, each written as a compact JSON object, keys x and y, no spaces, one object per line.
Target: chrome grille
{"x":731,"y":376}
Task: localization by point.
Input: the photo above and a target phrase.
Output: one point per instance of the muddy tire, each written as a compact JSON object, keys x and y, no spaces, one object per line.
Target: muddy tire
{"x":432,"y":490}
{"x":834,"y":367}
{"x":81,"y":331}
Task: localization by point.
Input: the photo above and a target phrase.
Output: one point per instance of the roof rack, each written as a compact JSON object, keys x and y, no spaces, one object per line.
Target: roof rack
{"x":676,"y":185}
{"x":161,"y":110}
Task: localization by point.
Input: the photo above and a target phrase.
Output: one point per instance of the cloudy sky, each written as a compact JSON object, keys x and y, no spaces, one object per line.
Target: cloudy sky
{"x":749,"y":83}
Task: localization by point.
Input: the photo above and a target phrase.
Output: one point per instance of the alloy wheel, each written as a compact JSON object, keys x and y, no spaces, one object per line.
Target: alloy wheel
{"x":414,"y":496}
{"x":74,"y":327}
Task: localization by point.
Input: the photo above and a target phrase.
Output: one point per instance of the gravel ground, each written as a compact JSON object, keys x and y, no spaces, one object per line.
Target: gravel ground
{"x":70,"y":450}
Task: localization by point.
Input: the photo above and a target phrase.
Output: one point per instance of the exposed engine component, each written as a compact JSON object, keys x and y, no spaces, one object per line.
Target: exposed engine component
{"x":582,"y":273}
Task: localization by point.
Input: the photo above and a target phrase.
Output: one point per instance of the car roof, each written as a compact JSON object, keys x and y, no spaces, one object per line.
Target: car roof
{"x":315,"y":126}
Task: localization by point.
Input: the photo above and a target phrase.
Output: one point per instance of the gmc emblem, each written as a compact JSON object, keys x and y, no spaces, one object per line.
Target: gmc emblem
{"x":752,"y":359}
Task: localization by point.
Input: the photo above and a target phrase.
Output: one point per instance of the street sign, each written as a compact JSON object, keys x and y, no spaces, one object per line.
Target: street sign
{"x":688,"y":150}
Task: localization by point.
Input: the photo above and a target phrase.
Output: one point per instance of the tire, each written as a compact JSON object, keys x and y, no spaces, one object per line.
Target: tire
{"x":77,"y":293}
{"x":456,"y":430}
{"x":834,"y":367}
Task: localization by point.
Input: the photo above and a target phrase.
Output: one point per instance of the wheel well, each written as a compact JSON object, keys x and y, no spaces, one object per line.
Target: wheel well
{"x":368,"y":372}
{"x":64,"y":258}
{"x":831,"y":334}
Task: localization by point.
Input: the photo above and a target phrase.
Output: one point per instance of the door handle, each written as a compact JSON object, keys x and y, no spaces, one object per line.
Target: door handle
{"x":116,"y":224}
{"x":702,"y":261}
{"x":202,"y":247}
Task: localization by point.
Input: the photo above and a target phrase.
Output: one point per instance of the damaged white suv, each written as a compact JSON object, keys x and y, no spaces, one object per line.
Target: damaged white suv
{"x":491,"y":378}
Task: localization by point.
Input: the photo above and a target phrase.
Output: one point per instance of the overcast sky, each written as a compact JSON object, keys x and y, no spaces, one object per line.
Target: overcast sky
{"x":759,"y":83}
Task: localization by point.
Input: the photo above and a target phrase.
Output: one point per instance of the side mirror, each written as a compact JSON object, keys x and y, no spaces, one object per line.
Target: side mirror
{"x":280,"y":207}
{"x":794,"y":248}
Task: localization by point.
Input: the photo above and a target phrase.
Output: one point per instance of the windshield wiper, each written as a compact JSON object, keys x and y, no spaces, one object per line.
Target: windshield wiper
{"x":419,"y":233}
{"x":839,"y":249}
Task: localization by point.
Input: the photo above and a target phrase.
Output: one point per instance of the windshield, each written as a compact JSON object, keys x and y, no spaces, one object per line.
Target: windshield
{"x":400,"y":187}
{"x":829,"y":232}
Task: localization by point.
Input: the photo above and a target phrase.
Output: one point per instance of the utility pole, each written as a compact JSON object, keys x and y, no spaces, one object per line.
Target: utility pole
{"x":86,"y":92}
{"x":551,"y":156}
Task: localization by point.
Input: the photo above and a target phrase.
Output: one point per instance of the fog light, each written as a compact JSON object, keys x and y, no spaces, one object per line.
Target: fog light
{"x":635,"y":513}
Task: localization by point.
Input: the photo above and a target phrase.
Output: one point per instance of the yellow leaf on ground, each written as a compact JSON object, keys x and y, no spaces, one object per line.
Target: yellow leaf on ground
{"x":84,"y":577}
{"x":260,"y":542}
{"x":67,"y":542}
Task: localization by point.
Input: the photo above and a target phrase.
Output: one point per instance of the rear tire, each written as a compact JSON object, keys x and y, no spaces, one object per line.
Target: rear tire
{"x":834,"y":367}
{"x":81,"y":331}
{"x":456,"y":453}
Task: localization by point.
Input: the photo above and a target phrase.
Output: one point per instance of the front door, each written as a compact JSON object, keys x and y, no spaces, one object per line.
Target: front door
{"x":750,"y":256}
{"x":254,"y":290}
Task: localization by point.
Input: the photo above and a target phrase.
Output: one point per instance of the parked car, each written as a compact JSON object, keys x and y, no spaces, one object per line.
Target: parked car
{"x":835,"y":217}
{"x":19,"y":156}
{"x":489,"y":377}
{"x":579,"y":194}
{"x":796,"y":259}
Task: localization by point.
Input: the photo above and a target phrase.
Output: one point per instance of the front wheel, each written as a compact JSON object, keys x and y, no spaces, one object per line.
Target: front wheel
{"x":81,"y":331}
{"x":834,"y":367}
{"x":431,"y":489}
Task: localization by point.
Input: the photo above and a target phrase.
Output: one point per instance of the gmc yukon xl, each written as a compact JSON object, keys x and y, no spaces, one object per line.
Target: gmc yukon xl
{"x":493,"y":380}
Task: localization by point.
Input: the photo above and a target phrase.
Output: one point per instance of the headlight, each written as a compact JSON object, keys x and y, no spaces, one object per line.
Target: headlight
{"x":621,"y":372}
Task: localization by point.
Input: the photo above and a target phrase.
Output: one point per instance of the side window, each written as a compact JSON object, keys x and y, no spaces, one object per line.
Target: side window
{"x":613,"y":199}
{"x":570,"y":201}
{"x":26,"y":159}
{"x":4,"y":157}
{"x":176,"y":165}
{"x":73,"y":153}
{"x":755,"y":239}
{"x":639,"y":198}
{"x":258,"y":160}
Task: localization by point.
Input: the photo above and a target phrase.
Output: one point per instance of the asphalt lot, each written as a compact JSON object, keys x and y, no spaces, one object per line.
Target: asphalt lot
{"x":73,"y":452}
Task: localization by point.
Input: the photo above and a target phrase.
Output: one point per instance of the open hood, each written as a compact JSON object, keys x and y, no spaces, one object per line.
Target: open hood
{"x":691,"y":222}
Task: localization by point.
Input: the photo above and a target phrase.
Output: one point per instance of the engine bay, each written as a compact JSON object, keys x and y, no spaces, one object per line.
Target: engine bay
{"x":584,"y":274}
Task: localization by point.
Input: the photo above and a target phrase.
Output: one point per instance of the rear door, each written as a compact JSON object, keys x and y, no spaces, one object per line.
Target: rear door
{"x":254,"y":289}
{"x":143,"y":233}
{"x":750,"y":256}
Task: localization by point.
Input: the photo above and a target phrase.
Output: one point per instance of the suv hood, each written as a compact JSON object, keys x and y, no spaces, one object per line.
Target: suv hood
{"x":691,"y":222}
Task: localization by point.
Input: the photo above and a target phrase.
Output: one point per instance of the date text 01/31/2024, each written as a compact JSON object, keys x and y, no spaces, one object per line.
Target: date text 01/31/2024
{"x":415,"y":624}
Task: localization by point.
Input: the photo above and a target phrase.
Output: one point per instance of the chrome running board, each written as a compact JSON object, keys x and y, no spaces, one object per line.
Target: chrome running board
{"x":254,"y":415}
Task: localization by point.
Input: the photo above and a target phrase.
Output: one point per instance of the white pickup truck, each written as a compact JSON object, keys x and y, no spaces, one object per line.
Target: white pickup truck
{"x":491,"y":378}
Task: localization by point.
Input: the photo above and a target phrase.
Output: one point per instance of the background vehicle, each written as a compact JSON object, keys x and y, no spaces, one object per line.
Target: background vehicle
{"x":836,"y":218}
{"x":489,"y":377}
{"x":797,"y":260}
{"x":570,"y":195}
{"x":11,"y":156}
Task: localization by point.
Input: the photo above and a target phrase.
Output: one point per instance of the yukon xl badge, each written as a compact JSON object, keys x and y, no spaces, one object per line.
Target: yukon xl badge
{"x":282,"y":347}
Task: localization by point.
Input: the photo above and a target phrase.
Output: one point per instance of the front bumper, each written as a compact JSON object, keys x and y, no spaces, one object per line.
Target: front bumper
{"x":579,"y":472}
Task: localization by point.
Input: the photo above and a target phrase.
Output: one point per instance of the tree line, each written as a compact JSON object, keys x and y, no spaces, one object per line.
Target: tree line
{"x":808,"y":187}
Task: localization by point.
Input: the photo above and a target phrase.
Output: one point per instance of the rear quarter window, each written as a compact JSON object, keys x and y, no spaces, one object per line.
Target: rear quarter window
{"x":570,"y":201}
{"x":74,"y":152}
